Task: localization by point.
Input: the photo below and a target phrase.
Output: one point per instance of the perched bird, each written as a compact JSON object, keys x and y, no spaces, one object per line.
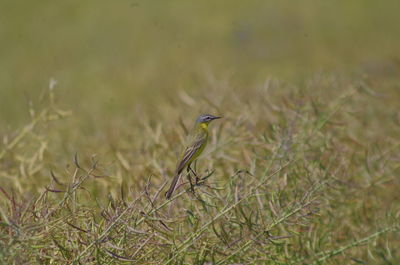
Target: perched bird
{"x":197,"y":141}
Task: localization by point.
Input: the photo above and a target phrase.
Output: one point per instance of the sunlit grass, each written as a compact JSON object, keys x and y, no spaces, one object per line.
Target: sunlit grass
{"x":96,"y":99}
{"x":291,"y":176}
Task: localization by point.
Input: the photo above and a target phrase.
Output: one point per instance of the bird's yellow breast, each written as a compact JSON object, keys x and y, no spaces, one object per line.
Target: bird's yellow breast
{"x":204,"y":126}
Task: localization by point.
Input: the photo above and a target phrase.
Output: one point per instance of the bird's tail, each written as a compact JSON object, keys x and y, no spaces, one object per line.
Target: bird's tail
{"x":172,"y":188}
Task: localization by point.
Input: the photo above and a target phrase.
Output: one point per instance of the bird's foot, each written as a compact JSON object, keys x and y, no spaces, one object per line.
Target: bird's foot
{"x":200,"y":181}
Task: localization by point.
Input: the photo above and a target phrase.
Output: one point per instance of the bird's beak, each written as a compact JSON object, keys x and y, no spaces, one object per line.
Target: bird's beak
{"x":215,"y":117}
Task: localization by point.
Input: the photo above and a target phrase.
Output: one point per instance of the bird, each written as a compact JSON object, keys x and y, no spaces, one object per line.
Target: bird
{"x":197,"y":141}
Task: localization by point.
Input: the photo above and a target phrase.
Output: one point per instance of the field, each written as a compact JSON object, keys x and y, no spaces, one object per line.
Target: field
{"x":97,"y":97}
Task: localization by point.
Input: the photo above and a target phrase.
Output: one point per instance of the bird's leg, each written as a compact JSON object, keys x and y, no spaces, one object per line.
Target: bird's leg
{"x":190,"y":178}
{"x":191,"y":170}
{"x":194,"y":173}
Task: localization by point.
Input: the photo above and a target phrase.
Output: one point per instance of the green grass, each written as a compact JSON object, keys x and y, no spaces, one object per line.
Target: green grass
{"x":302,"y":169}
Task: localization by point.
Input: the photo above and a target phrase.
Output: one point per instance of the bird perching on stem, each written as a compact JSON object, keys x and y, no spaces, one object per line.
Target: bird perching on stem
{"x":197,"y":141}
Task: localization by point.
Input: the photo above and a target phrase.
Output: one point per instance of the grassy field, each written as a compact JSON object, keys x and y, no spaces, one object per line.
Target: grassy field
{"x":96,"y":99}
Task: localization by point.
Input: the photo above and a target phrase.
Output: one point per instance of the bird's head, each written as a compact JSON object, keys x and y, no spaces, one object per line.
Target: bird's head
{"x":206,"y":118}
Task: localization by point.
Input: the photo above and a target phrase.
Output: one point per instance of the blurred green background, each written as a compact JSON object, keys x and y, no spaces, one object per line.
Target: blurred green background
{"x":108,"y":56}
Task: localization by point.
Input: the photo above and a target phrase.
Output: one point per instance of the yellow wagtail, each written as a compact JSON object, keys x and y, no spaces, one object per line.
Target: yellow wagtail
{"x":197,"y":140}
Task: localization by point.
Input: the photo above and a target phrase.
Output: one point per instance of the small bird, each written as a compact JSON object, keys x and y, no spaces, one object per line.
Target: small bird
{"x":197,"y":140}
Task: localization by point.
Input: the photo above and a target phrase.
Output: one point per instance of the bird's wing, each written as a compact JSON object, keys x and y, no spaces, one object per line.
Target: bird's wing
{"x":190,"y":151}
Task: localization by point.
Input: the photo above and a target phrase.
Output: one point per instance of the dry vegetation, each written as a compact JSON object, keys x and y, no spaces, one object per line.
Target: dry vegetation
{"x":292,"y":175}
{"x":302,"y":169}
